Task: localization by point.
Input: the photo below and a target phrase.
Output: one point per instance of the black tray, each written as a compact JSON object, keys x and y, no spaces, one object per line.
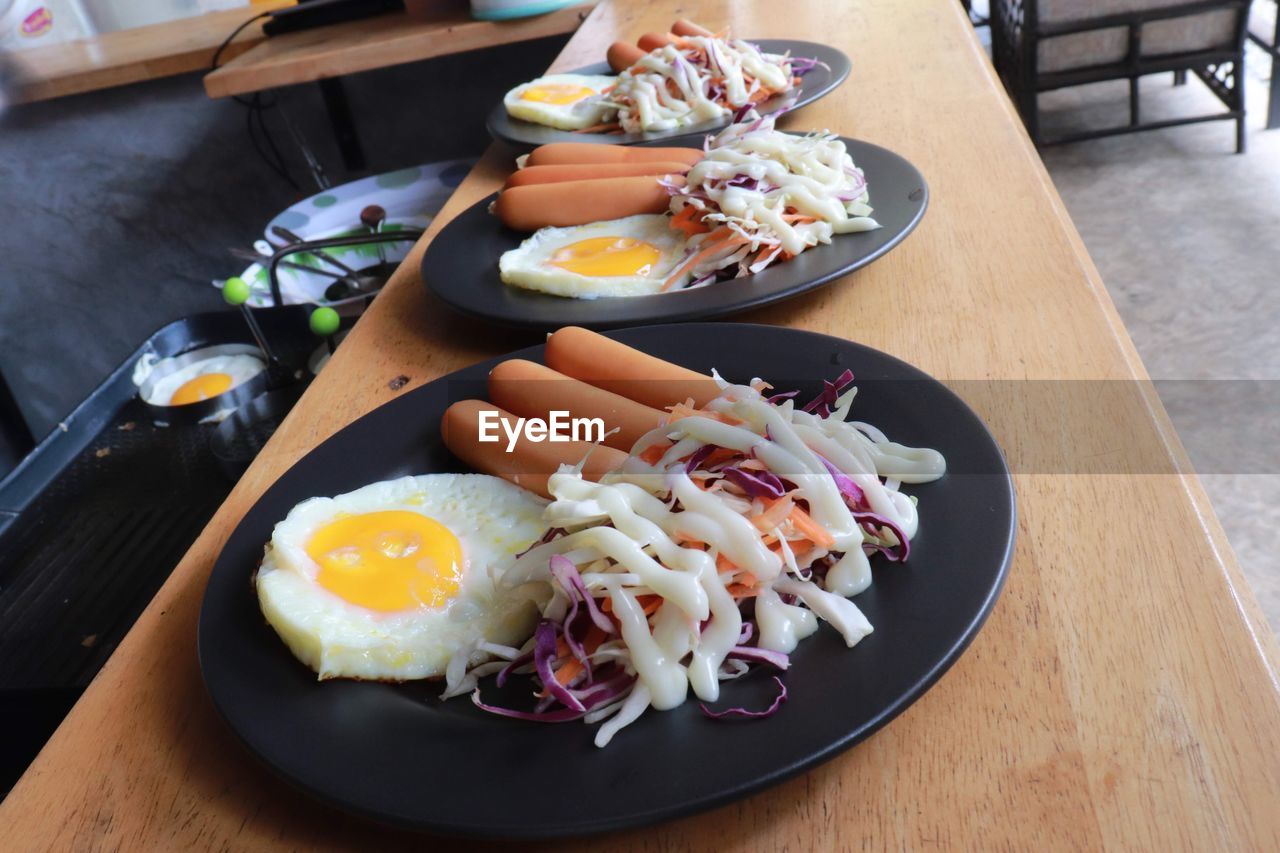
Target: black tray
{"x":93,"y":521}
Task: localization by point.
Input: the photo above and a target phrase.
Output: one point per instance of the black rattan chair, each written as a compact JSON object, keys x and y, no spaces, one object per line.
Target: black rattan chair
{"x":1039,"y":45}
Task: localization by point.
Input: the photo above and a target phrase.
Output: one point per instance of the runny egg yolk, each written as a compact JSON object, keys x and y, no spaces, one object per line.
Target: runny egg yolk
{"x":202,"y":387}
{"x":607,"y":256}
{"x":556,"y":93}
{"x":388,"y":560}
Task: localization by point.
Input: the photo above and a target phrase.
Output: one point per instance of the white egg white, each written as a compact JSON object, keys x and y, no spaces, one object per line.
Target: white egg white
{"x":492,"y":519}
{"x":240,"y":368}
{"x":587,"y":112}
{"x":528,"y":266}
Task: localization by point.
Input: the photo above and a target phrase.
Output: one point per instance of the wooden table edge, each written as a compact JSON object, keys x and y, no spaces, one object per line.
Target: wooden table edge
{"x":249,"y":72}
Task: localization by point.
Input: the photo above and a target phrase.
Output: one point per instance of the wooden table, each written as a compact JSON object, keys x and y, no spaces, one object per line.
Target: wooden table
{"x":393,"y":39}
{"x":1124,"y":691}
{"x":137,"y":54}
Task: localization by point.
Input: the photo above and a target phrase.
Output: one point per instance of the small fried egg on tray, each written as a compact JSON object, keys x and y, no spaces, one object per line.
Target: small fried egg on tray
{"x":390,"y":581}
{"x":199,"y":381}
{"x":562,"y":101}
{"x":621,"y":257}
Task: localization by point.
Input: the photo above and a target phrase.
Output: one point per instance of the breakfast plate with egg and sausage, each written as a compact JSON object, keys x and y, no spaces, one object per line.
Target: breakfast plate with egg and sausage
{"x":688,"y":80}
{"x":604,"y":237}
{"x":608,"y":580}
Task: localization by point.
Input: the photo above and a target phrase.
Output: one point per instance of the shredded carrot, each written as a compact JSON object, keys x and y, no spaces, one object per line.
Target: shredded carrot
{"x":718,"y":240}
{"x":684,"y":410}
{"x":798,"y":217}
{"x":720,"y":454}
{"x":689,"y":221}
{"x":724,"y":564}
{"x":648,"y":603}
{"x":568,"y":671}
{"x":740,"y":591}
{"x":653,"y":454}
{"x":810,"y":529}
{"x":776,"y":511}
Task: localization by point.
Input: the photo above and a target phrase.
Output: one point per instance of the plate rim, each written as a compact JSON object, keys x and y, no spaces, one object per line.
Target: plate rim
{"x":499,"y":114}
{"x":592,"y":826}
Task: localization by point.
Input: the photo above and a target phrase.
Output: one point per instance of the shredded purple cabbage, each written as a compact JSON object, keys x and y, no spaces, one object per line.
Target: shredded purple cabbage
{"x":544,"y":652}
{"x":506,"y":671}
{"x":752,"y":653}
{"x":566,"y":574}
{"x":551,"y":535}
{"x":872,"y":520}
{"x":743,"y":712}
{"x":778,"y":398}
{"x":854,"y":498}
{"x":563,"y":715}
{"x":824,"y":403}
{"x":802,"y":65}
{"x":697,"y":457}
{"x":757,"y":484}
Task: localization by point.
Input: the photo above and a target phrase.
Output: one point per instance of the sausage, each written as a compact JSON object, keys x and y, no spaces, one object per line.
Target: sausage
{"x":685,"y":27}
{"x":587,"y":171}
{"x":531,"y":390}
{"x":582,"y":153}
{"x":616,"y":367}
{"x":653,"y":41}
{"x":622,"y":56}
{"x":535,"y":206}
{"x":530,"y":463}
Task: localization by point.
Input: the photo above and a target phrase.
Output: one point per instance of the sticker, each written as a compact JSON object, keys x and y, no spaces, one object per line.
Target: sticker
{"x":37,"y":23}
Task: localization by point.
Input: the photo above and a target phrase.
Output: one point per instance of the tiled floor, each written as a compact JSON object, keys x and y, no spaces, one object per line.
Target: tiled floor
{"x":1186,"y":235}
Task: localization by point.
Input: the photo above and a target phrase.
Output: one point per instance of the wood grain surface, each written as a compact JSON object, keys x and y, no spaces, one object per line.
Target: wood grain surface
{"x":378,"y":42}
{"x":137,"y":54}
{"x":1124,"y":691}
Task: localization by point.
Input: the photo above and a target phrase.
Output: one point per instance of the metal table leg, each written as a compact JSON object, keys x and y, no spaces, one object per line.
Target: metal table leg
{"x":344,"y":128}
{"x":1273,"y":50}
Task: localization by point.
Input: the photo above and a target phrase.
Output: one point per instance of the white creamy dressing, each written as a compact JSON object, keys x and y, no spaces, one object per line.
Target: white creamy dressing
{"x":639,"y":553}
{"x":814,"y":175}
{"x":645,"y":101}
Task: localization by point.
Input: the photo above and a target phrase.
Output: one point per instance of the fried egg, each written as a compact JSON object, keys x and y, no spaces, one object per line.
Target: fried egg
{"x":202,"y":380}
{"x":563,"y":101}
{"x":632,"y":256}
{"x":389,"y":581}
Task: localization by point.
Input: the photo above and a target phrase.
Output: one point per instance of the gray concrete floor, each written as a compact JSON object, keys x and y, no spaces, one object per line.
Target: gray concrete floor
{"x":1186,"y":235}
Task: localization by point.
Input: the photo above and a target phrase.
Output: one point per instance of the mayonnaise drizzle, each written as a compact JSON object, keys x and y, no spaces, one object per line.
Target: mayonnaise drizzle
{"x":624,"y":534}
{"x":643,"y":95}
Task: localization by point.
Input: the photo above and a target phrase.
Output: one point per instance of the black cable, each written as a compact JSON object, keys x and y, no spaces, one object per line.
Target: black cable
{"x":256,"y":107}
{"x":271,"y":143}
{"x":276,"y":164}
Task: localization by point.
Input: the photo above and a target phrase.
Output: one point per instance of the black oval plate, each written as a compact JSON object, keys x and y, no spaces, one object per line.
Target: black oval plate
{"x":815,"y":84}
{"x":460,"y":265}
{"x":399,"y":755}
